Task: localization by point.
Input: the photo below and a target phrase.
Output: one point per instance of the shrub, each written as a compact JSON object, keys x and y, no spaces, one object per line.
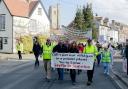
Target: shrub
{"x":42,"y":39}
{"x":27,"y":44}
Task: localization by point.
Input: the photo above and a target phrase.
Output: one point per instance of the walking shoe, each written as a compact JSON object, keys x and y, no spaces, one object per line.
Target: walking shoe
{"x":36,"y":66}
{"x":73,"y":83}
{"x":88,"y":83}
{"x":48,"y":80}
{"x":60,"y":79}
{"x":107,"y":73}
{"x":91,"y":81}
{"x":98,"y":65}
{"x":104,"y":72}
{"x":45,"y":78}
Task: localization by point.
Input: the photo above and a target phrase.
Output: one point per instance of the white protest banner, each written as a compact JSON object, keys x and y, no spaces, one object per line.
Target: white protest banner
{"x":72,"y":61}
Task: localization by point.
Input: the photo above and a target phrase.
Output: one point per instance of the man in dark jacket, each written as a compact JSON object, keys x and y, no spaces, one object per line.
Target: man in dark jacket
{"x":37,"y":51}
{"x":60,"y":48}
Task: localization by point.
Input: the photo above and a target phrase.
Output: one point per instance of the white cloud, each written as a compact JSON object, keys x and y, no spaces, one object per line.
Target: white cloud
{"x":114,"y":9}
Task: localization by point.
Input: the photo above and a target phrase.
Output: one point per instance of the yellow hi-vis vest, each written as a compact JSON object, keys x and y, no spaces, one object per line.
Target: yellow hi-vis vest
{"x":47,"y":52}
{"x":91,"y":50}
{"x":106,"y":56}
{"x":19,"y":47}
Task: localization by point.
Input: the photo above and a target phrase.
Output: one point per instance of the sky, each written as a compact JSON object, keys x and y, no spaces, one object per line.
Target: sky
{"x":113,"y":9}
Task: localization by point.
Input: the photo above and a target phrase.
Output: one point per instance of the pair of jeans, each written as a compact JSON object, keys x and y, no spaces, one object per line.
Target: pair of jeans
{"x":106,"y":67}
{"x":90,"y":73}
{"x":60,"y":73}
{"x":19,"y":54}
{"x":73,"y":75}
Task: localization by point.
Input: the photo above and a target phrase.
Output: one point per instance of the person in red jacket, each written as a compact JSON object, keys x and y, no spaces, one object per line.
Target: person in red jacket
{"x":80,"y":48}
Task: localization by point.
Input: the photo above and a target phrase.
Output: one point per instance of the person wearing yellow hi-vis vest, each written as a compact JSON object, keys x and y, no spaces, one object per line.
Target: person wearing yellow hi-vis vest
{"x":19,"y":48}
{"x":46,"y":55}
{"x":90,"y":49}
{"x":106,"y":60}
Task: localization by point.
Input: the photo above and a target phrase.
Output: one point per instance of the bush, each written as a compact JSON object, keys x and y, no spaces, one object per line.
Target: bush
{"x":27,"y":44}
{"x":42,"y":39}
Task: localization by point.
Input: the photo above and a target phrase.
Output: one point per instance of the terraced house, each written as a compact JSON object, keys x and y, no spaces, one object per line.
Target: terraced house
{"x":21,"y":17}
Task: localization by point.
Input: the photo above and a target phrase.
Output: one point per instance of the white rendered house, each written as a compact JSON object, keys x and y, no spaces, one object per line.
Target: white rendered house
{"x":21,"y":17}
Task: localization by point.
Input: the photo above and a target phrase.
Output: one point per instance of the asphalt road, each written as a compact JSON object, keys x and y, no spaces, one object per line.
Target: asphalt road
{"x":23,"y":75}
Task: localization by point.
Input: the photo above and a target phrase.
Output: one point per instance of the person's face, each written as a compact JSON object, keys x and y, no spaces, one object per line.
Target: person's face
{"x":105,"y":49}
{"x":74,"y":44}
{"x":89,"y":42}
{"x":80,"y":45}
{"x":60,"y":43}
{"x":48,"y":41}
{"x":18,"y":42}
{"x":36,"y":43}
{"x":66,"y":42}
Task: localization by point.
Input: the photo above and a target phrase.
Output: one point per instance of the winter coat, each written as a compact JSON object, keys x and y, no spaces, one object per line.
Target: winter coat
{"x":73,"y":50}
{"x":37,"y":49}
{"x":126,"y":51}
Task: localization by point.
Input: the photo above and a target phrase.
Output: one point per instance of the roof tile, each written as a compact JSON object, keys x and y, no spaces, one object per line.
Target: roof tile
{"x":20,"y":7}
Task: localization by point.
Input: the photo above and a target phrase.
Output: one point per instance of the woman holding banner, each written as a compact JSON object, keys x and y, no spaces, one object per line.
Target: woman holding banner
{"x":60,"y":48}
{"x":73,"y":49}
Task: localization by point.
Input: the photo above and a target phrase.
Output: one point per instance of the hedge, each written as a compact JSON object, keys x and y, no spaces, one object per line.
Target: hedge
{"x":27,"y":44}
{"x":42,"y":39}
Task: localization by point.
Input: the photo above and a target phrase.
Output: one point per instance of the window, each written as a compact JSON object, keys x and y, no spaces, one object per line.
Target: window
{"x":5,"y":40}
{"x":1,"y":43}
{"x":2,"y":22}
{"x":39,"y":11}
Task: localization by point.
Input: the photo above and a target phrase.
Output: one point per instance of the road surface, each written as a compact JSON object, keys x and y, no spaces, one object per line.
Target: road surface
{"x":22,"y":75}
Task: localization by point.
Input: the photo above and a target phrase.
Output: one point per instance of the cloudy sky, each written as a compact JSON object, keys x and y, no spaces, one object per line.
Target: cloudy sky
{"x":113,"y":9}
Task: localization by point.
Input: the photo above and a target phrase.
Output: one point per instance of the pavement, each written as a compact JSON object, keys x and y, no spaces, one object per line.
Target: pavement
{"x":117,"y":74}
{"x":117,"y":70}
{"x":23,"y":75}
{"x":4,"y":56}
